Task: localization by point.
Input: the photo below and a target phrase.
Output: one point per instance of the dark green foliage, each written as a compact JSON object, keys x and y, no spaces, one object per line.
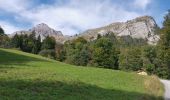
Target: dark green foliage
{"x":77,"y":52}
{"x":150,"y":59}
{"x":4,"y":41}
{"x":48,"y":53}
{"x":165,"y":33}
{"x":112,"y":37}
{"x":131,"y":59}
{"x":163,"y":64}
{"x":84,"y":56}
{"x":98,"y":36}
{"x":37,"y":45}
{"x":31,"y":44}
{"x":104,"y":53}
{"x":48,"y":43}
{"x":126,"y":41}
{"x":61,"y":56}
{"x":16,"y":41}
{"x":60,"y":52}
{"x":1,"y":31}
{"x":150,"y":68}
{"x":164,"y":49}
{"x":80,"y":40}
{"x":150,"y":53}
{"x":27,"y":43}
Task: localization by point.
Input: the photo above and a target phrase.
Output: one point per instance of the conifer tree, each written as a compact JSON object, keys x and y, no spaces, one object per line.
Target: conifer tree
{"x":164,"y":48}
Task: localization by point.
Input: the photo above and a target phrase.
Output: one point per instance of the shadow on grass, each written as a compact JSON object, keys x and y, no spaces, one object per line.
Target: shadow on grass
{"x":9,"y":58}
{"x":42,"y":90}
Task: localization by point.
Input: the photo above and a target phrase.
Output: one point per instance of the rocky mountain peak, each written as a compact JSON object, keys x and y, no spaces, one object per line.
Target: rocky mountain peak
{"x":141,"y":18}
{"x":42,"y":24}
{"x":44,"y":29}
{"x":141,"y":27}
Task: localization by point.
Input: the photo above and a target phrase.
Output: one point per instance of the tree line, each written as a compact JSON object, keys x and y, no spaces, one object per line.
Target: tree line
{"x":109,"y":51}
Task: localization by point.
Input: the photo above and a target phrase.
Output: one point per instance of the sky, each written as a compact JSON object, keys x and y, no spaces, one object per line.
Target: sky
{"x":75,"y":16}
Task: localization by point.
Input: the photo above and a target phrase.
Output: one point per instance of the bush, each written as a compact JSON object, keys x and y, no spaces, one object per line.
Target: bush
{"x":130,"y":59}
{"x":4,"y":41}
{"x":150,"y":68}
{"x":48,"y":43}
{"x":104,"y":53}
{"x":48,"y":53}
{"x":77,"y":52}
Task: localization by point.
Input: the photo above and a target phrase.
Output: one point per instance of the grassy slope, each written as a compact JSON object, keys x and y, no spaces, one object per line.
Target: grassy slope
{"x":26,"y":76}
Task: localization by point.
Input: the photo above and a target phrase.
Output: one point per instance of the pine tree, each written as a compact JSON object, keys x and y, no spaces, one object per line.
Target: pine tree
{"x":1,"y":31}
{"x":164,"y":49}
{"x":130,"y":59}
{"x":48,"y":43}
{"x":37,"y":45}
{"x":16,"y":41}
{"x":165,"y":32}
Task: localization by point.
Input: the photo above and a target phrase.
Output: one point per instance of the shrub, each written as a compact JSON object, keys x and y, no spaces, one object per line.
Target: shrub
{"x":104,"y":53}
{"x":48,"y":53}
{"x":130,"y":59}
{"x":150,"y":68}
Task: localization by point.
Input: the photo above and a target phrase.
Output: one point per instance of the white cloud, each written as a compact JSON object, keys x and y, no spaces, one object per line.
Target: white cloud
{"x":142,"y":3}
{"x":9,"y":28}
{"x":73,"y":15}
{"x":14,"y":6}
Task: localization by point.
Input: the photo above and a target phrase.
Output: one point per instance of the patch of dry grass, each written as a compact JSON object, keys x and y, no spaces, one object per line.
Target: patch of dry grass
{"x":154,"y":87}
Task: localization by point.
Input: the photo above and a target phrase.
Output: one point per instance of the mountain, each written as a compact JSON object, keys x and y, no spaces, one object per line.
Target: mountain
{"x":44,"y":30}
{"x":141,"y":28}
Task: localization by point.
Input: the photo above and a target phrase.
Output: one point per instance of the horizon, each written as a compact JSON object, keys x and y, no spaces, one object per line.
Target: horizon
{"x":74,"y":16}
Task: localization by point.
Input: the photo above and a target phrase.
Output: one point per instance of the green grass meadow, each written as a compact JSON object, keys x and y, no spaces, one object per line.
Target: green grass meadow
{"x":25,"y":76}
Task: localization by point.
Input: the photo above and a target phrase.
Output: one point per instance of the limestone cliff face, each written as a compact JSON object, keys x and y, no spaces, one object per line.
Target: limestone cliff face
{"x":43,"y":31}
{"x":142,"y":27}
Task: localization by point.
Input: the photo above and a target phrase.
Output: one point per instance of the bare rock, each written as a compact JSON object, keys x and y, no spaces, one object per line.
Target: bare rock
{"x":142,"y":73}
{"x":142,"y":27}
{"x":43,"y":31}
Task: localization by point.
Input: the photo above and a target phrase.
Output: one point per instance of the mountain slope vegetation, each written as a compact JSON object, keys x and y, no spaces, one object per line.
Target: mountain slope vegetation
{"x":27,"y":76}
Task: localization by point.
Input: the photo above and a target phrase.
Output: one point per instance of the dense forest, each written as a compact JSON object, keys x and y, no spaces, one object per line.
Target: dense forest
{"x":109,"y":51}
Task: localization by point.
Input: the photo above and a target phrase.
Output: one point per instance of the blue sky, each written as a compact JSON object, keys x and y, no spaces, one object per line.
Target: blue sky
{"x":75,"y":16}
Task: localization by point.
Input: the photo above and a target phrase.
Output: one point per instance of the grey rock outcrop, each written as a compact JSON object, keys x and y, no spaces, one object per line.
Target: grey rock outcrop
{"x":142,"y":27}
{"x":43,"y":31}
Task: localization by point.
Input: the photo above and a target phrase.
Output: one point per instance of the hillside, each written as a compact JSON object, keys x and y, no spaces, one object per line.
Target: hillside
{"x":27,"y":76}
